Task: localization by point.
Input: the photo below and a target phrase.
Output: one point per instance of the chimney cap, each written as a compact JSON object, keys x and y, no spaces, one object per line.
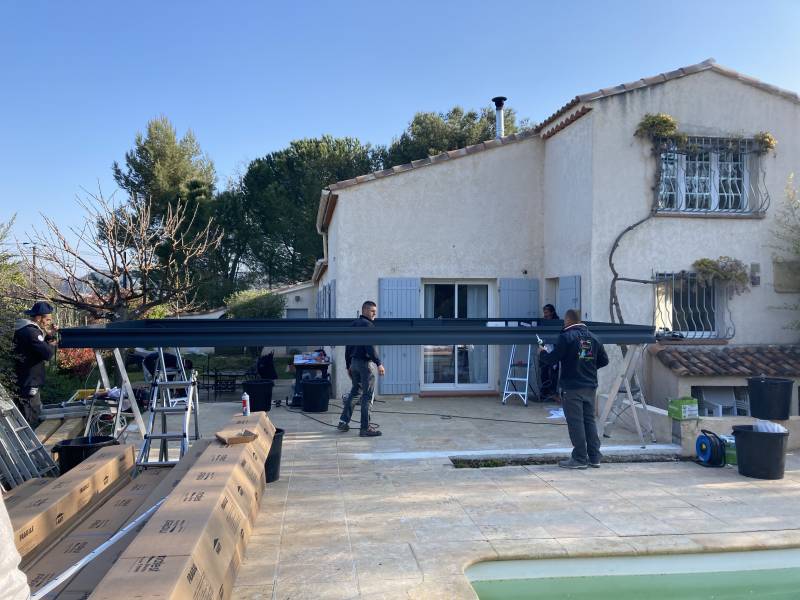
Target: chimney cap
{"x":499,"y":101}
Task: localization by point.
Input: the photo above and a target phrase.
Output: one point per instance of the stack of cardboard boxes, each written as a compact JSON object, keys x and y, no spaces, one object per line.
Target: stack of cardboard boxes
{"x":81,"y":585}
{"x":193,"y":545}
{"x":52,"y":509}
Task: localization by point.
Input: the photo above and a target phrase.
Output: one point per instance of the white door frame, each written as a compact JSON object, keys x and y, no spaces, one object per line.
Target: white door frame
{"x":491,"y":311}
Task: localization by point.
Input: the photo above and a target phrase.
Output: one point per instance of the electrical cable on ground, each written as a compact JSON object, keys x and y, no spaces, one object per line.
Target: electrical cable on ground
{"x":440,"y":415}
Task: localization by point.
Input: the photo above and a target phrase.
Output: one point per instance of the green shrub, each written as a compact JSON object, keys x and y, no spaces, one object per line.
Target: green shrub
{"x":60,"y":385}
{"x":661,"y":125}
{"x":725,"y":269}
{"x":254,"y":304}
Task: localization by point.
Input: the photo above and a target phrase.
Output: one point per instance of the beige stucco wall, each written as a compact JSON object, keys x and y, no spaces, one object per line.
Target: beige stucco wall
{"x":624,"y":170}
{"x":663,"y":384}
{"x":553,"y":208}
{"x":567,"y":208}
{"x":304,"y":297}
{"x":476,"y":217}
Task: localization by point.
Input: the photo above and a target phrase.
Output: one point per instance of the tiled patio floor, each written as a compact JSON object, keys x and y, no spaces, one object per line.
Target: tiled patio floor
{"x":340,"y":526}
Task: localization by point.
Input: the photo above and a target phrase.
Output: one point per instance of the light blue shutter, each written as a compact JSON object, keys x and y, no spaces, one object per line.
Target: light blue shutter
{"x":519,"y":298}
{"x":569,"y":294}
{"x":398,"y":298}
{"x":332,"y":310}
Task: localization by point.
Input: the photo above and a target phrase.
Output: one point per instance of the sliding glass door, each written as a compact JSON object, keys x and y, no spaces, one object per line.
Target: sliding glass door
{"x":464,"y":366}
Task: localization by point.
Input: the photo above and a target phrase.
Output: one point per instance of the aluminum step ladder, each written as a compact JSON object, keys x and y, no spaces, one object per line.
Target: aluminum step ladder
{"x":122,"y":418}
{"x":22,"y":455}
{"x":627,"y":395}
{"x":170,"y":400}
{"x":516,"y":384}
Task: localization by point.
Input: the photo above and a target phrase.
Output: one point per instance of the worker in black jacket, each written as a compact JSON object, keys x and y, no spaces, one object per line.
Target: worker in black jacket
{"x":359,"y":361}
{"x":580,"y":354}
{"x":34,"y":344}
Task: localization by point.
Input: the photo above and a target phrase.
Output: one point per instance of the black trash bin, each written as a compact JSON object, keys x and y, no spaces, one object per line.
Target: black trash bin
{"x":73,"y":452}
{"x":770,"y":397}
{"x":760,"y":454}
{"x":316,"y":393}
{"x":273,"y":464}
{"x":260,"y":392}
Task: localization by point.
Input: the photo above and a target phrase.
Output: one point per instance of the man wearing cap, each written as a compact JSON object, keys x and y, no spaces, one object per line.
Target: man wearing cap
{"x":34,"y":344}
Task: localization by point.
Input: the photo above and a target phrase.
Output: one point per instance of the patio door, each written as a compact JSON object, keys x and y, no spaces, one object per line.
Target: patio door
{"x":463,"y":366}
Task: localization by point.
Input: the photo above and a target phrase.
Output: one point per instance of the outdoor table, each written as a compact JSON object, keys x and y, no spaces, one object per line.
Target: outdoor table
{"x":224,"y":381}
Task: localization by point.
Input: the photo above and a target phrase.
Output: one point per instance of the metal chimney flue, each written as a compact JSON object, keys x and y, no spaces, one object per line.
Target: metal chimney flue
{"x":499,"y":127}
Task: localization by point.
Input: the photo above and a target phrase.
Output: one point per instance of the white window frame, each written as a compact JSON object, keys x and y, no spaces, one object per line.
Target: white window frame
{"x":680,"y":184}
{"x":492,"y":355}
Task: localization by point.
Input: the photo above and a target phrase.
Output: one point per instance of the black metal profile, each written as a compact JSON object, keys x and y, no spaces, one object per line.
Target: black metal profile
{"x":336,"y":332}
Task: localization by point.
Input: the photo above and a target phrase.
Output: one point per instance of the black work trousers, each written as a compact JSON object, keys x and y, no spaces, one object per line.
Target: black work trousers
{"x":363,"y":384}
{"x":579,"y":411}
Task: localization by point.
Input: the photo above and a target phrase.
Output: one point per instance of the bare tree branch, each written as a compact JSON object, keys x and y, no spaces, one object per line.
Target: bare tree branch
{"x":124,"y":260}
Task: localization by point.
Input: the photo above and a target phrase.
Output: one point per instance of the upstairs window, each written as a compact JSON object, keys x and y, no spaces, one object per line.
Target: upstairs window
{"x":707,"y":175}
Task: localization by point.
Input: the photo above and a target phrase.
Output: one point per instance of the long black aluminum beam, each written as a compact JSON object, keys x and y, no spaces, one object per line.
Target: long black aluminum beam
{"x":335,"y":332}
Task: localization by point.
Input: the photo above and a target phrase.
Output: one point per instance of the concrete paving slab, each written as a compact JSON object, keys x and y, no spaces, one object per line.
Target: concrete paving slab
{"x":390,"y":517}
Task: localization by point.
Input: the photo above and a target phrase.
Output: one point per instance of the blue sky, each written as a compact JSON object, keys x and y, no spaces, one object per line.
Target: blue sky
{"x":79,"y":79}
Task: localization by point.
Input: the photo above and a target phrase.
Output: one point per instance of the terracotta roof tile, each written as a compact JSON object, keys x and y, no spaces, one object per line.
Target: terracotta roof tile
{"x":566,"y":122}
{"x":707,"y":65}
{"x":741,"y":361}
{"x":457,"y":153}
{"x":565,"y":115}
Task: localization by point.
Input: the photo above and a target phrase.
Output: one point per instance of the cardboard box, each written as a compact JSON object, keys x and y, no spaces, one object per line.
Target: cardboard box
{"x":25,"y":490}
{"x":166,"y":577}
{"x":240,"y":468}
{"x":94,"y":531}
{"x":191,"y":547}
{"x":210,"y":527}
{"x":199,"y":536}
{"x":682,"y":409}
{"x":257,"y":419}
{"x":54,"y":507}
{"x":82,"y":584}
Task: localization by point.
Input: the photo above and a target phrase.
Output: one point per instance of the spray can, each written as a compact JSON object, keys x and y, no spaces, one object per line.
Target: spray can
{"x":246,"y":404}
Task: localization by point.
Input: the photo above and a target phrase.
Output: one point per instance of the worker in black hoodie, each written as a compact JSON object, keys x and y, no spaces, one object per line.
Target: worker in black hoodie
{"x":359,"y":361}
{"x":580,"y":354}
{"x":34,"y":344}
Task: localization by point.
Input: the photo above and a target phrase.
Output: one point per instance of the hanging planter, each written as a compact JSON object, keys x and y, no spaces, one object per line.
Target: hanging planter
{"x":765,"y":142}
{"x":729,"y":271}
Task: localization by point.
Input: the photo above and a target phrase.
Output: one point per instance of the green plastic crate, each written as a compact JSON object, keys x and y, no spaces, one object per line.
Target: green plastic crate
{"x":682,"y":409}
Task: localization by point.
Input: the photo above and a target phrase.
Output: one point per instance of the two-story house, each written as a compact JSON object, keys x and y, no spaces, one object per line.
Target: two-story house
{"x":498,"y":229}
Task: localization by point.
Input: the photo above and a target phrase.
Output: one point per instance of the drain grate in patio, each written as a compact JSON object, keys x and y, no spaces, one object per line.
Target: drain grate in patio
{"x":488,"y":462}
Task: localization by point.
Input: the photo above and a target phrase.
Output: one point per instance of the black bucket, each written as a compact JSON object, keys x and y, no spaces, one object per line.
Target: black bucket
{"x":770,"y":397}
{"x":760,"y":454}
{"x":273,"y":464}
{"x":316,"y":393}
{"x":260,"y":392}
{"x":73,"y":452}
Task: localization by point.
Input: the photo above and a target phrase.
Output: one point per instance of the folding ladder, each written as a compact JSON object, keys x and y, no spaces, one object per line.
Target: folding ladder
{"x":165,"y":409}
{"x":514,"y":377}
{"x":121,"y":424}
{"x":626,"y":395}
{"x":22,"y":455}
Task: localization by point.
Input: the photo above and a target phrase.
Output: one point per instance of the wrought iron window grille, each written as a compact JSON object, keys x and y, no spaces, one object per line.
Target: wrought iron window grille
{"x":685,"y":308}
{"x":710,"y":175}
